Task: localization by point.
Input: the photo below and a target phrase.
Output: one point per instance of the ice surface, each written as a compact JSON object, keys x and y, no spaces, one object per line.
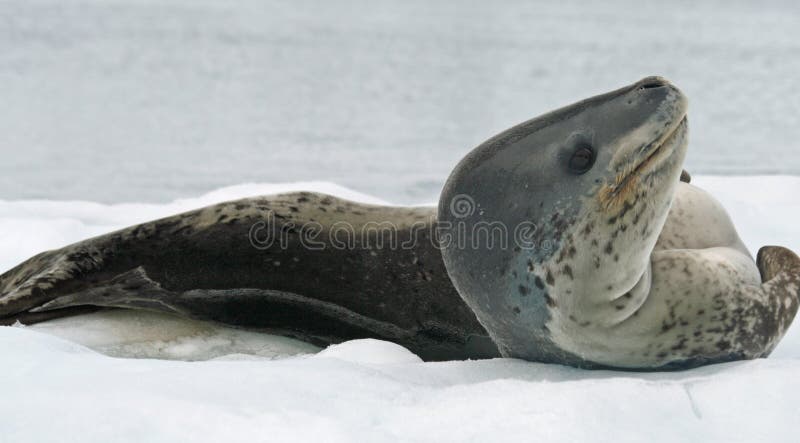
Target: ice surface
{"x":57,"y":385}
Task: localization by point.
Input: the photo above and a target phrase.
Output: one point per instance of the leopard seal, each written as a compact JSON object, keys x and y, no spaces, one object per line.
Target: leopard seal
{"x":621,"y":263}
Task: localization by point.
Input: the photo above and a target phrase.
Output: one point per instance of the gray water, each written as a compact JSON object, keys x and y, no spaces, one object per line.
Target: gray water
{"x":152,"y":100}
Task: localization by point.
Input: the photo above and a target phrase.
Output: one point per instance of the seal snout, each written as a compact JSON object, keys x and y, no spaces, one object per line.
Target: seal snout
{"x":659,"y":88}
{"x":659,"y":131}
{"x":659,"y":113}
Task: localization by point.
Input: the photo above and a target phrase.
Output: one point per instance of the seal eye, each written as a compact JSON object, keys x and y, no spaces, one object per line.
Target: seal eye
{"x":582,"y":159}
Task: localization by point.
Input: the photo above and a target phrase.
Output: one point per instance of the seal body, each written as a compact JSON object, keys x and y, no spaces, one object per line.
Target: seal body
{"x":566,"y":239}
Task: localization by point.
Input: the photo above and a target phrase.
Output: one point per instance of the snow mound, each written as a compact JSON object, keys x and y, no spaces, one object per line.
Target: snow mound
{"x":371,"y":352}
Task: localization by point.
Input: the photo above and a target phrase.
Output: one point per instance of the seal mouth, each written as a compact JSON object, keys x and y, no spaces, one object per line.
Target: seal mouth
{"x":614,"y":193}
{"x":653,"y":154}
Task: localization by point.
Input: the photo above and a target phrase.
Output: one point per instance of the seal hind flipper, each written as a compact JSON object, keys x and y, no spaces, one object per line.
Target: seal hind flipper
{"x":31,"y":283}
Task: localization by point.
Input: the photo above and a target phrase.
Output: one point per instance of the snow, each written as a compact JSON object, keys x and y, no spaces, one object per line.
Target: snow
{"x":54,"y":390}
{"x":370,"y":352}
{"x":126,"y":376}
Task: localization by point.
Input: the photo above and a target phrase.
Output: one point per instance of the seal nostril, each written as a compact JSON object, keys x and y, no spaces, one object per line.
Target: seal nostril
{"x":651,"y":85}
